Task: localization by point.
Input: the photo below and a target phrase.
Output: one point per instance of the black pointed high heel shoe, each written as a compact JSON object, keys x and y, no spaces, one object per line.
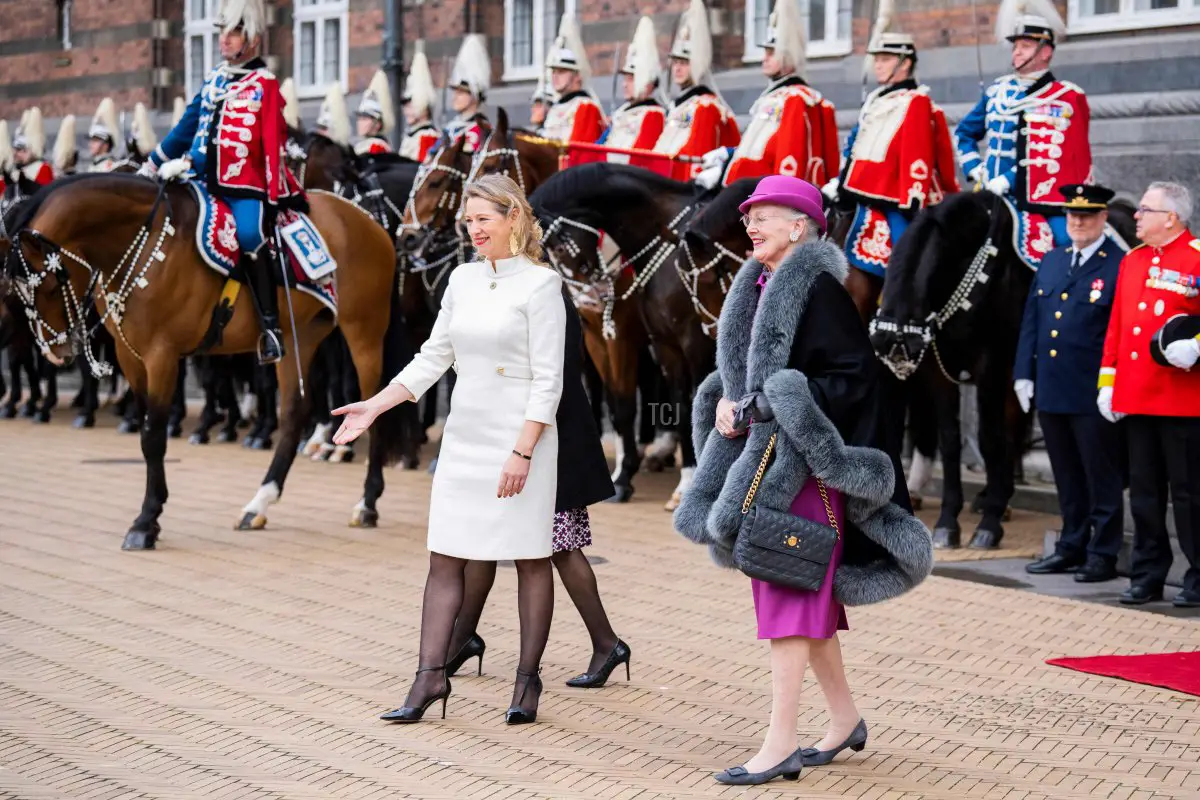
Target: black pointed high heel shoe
{"x":594,"y":680}
{"x":518,"y":715}
{"x":409,"y":714}
{"x":856,"y":741}
{"x":475,"y":646}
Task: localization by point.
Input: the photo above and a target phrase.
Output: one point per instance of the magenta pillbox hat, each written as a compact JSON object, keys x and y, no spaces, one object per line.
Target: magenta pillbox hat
{"x":784,"y":190}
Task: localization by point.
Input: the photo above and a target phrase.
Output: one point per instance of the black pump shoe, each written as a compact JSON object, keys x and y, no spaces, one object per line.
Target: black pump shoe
{"x":473,"y":647}
{"x":409,"y":714}
{"x":594,"y":680}
{"x":856,"y":741}
{"x":788,"y":769}
{"x":518,"y":715}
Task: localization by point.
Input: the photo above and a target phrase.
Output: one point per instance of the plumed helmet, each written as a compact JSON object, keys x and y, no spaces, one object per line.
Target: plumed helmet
{"x":473,"y":68}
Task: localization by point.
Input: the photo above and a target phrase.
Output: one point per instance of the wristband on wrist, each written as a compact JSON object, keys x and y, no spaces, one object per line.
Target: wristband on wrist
{"x":522,"y":455}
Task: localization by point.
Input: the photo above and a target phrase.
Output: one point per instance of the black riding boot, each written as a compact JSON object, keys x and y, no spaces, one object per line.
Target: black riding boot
{"x":260,"y":271}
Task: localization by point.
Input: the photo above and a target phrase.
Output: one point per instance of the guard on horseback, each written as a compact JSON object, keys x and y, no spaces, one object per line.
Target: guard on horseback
{"x":792,"y":129}
{"x":699,"y":120}
{"x":638,"y":122}
{"x":470,"y":80}
{"x":898,"y":159}
{"x":102,"y":137}
{"x":540,"y":101}
{"x":231,"y":141}
{"x":376,"y":119}
{"x":29,"y":143}
{"x":1034,"y":127}
{"x":332,"y":120}
{"x":576,"y":115}
{"x":420,"y":134}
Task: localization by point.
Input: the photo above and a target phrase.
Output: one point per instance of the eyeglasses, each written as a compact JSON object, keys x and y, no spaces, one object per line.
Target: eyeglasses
{"x":1145,"y":210}
{"x":758,"y":219}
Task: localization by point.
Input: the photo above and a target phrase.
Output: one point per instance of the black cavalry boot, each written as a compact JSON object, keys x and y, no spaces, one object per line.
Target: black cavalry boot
{"x":259,"y":272}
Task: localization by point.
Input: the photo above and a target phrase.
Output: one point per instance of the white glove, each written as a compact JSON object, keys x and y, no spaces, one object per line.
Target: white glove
{"x":1024,"y":391}
{"x":998,"y":185}
{"x":1104,"y":403}
{"x":173,"y":169}
{"x":710,"y":177}
{"x":830,"y":189}
{"x":147,"y":170}
{"x":714,"y":158}
{"x":1183,"y":354}
{"x":976,"y":174}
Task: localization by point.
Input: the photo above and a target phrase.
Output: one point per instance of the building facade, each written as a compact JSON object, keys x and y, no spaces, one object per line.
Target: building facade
{"x":1135,"y":58}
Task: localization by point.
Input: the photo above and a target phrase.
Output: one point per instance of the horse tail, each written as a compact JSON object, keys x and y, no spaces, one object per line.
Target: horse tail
{"x":397,"y":427}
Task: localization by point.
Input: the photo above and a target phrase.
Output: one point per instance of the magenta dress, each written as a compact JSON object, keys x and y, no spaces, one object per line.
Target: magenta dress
{"x":782,"y":611}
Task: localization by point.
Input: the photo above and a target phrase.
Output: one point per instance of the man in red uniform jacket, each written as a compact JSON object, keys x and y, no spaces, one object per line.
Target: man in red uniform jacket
{"x":576,"y":115}
{"x":639,"y":121}
{"x":1158,"y":281}
{"x":29,"y":145}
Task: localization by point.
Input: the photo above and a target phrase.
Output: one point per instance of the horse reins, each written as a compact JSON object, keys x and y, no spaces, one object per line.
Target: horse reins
{"x":73,"y":307}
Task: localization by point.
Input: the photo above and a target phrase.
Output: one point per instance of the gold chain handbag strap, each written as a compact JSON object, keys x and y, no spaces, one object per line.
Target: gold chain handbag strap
{"x":758,"y":476}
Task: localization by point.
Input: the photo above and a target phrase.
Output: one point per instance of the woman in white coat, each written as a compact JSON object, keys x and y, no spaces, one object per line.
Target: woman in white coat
{"x":502,"y":326}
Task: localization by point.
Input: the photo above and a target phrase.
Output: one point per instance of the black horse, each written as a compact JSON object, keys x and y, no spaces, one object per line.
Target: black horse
{"x":953,"y":299}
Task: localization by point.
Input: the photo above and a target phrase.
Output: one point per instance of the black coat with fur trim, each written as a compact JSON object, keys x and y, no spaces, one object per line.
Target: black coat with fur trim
{"x":804,"y":346}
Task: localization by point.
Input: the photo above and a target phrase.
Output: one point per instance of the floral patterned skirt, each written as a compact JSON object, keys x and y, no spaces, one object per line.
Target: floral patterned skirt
{"x":572,"y":530}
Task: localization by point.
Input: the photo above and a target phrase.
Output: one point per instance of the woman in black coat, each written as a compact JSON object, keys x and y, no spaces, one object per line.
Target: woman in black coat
{"x":583,"y":479}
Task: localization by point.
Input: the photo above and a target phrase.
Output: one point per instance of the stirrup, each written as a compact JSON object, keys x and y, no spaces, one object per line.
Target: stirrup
{"x":270,"y":347}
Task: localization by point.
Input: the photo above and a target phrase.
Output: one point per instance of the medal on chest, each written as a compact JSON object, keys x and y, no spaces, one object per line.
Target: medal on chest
{"x":1097,"y":289}
{"x":1170,"y":280}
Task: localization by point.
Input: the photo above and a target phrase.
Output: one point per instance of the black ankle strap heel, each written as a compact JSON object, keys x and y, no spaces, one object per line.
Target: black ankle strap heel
{"x":410,"y":714}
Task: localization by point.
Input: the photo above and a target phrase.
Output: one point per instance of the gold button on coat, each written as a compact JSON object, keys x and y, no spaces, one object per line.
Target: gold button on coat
{"x":1053,"y":334}
{"x":499,"y":370}
{"x":1136,"y":330}
{"x":1141,"y":306}
{"x":1053,"y":353}
{"x":1058,"y":315}
{"x":1133,"y":355}
{"x":1063,"y":295}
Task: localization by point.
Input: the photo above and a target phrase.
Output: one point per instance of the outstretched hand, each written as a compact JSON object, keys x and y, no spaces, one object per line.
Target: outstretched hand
{"x":358,"y":417}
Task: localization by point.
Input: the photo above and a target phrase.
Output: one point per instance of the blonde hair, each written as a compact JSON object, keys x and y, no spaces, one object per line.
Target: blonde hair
{"x":503,"y":192}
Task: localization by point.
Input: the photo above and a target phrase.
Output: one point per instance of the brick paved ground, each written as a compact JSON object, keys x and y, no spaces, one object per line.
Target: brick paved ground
{"x":253,"y":665}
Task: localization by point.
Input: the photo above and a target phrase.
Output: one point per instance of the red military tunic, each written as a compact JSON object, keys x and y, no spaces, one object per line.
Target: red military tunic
{"x":900,"y":154}
{"x":419,"y":141}
{"x":1154,"y":285}
{"x":575,"y":117}
{"x":697,"y":123}
{"x":1052,"y":146}
{"x":792,"y":131}
{"x":40,"y":172}
{"x":637,"y":125}
{"x":372,"y":146}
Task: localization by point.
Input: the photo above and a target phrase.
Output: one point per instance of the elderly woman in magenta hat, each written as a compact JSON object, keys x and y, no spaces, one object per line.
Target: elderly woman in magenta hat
{"x":792,"y":351}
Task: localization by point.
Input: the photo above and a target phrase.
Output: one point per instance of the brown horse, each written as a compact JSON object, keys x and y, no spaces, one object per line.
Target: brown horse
{"x":157,"y":298}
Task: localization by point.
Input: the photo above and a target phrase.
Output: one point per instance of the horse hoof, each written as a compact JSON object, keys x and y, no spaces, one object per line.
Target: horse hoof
{"x":174,"y":430}
{"x":84,"y":421}
{"x":26,"y":411}
{"x":622,"y":494}
{"x":916,"y":501}
{"x":261,"y":443}
{"x":127,"y":426}
{"x":673,"y":503}
{"x":947,"y":538}
{"x":251,"y":522}
{"x":141,"y":540}
{"x":198,"y":438}
{"x":8,"y":412}
{"x":986,"y":538}
{"x":227,"y":436}
{"x":42,"y":417}
{"x":364,"y":518}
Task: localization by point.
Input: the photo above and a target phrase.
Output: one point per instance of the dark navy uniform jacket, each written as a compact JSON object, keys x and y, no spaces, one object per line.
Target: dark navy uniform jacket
{"x":1062,"y":332}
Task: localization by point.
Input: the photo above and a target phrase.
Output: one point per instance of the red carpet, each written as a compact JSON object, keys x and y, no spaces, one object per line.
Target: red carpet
{"x":1177,"y":671}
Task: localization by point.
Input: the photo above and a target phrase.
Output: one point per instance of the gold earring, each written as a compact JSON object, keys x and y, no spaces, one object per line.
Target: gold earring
{"x":514,"y":242}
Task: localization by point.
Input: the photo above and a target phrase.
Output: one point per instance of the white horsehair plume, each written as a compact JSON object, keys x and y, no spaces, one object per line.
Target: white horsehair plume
{"x":64,"y":144}
{"x":699,"y":40}
{"x":473,"y":67}
{"x":646,"y":66}
{"x":178,"y":110}
{"x":791,"y":41}
{"x":32,"y":133}
{"x":1010,"y":11}
{"x":105,"y":122}
{"x":291,"y":103}
{"x":568,"y":32}
{"x":6,"y":152}
{"x":379,"y":89}
{"x":143,"y":131}
{"x":249,"y":13}
{"x":418,"y":87}
{"x":333,"y":117}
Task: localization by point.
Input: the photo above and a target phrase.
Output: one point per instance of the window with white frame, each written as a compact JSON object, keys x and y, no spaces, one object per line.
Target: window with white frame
{"x":1092,"y":16}
{"x":530,"y":27}
{"x":319,"y":45}
{"x":828,"y":24}
{"x":202,"y":42}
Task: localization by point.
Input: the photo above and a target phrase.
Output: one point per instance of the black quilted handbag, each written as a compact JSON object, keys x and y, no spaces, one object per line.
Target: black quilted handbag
{"x":781,"y":548}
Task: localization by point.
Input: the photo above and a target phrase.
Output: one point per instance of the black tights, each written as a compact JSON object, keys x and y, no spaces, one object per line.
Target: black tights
{"x":578,"y":579}
{"x":443,"y":601}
